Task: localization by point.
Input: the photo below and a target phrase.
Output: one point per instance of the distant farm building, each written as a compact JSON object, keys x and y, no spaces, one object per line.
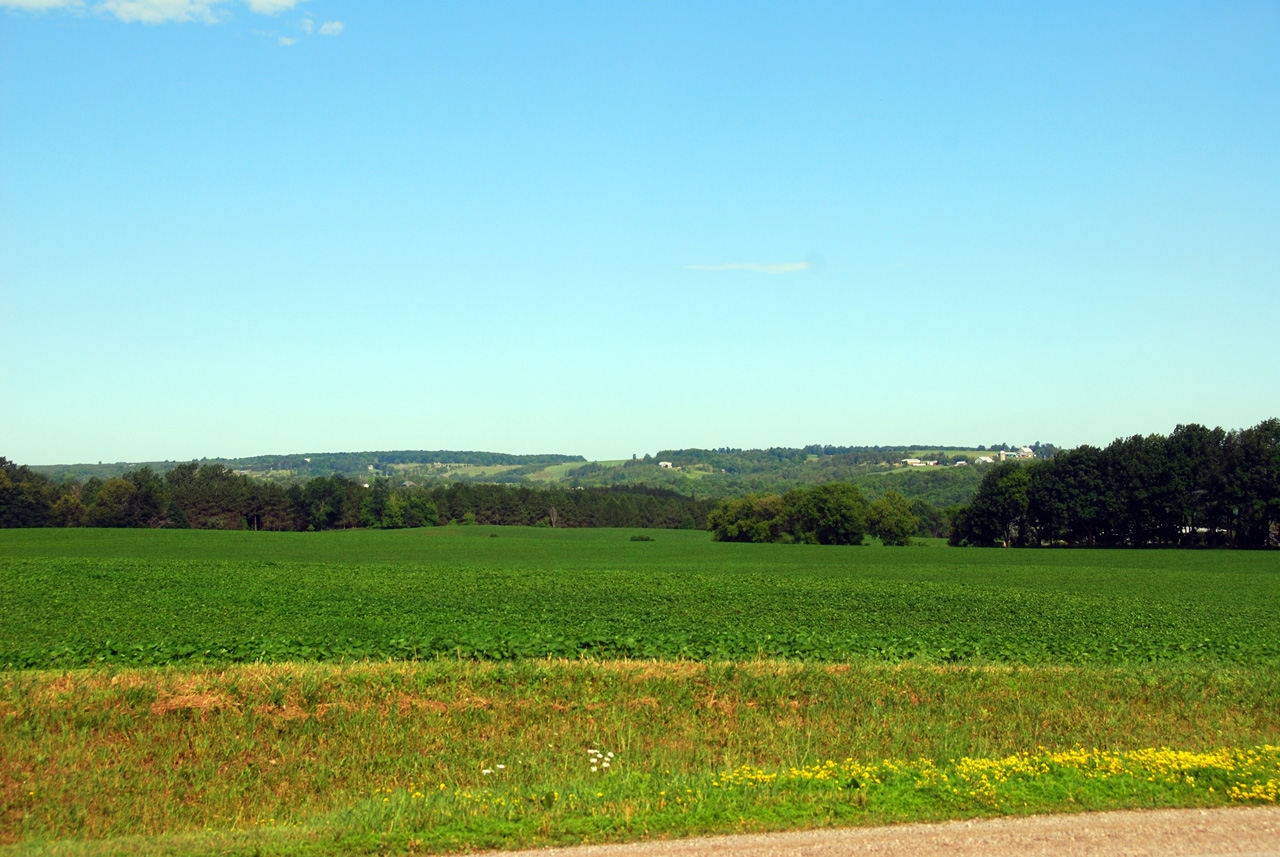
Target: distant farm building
{"x":664,"y":464}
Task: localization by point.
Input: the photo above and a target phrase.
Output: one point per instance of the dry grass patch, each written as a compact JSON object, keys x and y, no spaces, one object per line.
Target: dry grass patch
{"x":201,"y":702}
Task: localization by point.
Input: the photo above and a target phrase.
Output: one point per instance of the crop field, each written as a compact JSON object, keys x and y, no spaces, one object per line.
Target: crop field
{"x":74,"y":598}
{"x":425,"y":691}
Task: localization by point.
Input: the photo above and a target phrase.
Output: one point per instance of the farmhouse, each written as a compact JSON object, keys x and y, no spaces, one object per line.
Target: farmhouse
{"x":664,"y":464}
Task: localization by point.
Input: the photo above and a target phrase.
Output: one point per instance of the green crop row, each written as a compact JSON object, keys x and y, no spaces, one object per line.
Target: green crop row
{"x":74,"y":598}
{"x":722,"y":647}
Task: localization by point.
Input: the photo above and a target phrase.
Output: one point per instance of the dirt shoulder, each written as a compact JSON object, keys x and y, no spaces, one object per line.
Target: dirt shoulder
{"x":1253,"y":831}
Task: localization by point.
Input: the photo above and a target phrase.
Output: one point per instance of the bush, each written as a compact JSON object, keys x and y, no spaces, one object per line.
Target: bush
{"x":891,"y":519}
{"x":830,"y":514}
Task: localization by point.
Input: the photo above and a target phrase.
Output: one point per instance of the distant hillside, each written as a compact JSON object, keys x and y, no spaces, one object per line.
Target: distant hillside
{"x":702,"y":473}
{"x":722,"y":474}
{"x":308,"y":465}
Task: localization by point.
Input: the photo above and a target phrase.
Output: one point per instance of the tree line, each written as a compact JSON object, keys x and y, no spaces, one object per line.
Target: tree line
{"x":209,"y":496}
{"x":832,"y":514}
{"x":1195,"y":487}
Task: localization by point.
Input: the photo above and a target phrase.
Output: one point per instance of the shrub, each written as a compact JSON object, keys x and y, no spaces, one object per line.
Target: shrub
{"x":830,"y":514}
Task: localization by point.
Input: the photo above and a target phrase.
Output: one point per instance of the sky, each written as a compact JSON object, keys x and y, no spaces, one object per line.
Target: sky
{"x":242,"y":227}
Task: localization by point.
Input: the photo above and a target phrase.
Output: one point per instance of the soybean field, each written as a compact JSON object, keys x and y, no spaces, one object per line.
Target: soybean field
{"x":73,"y":598}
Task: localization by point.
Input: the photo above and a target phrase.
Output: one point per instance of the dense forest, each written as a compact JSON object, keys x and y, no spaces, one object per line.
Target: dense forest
{"x":1198,"y":486}
{"x":212,"y":497}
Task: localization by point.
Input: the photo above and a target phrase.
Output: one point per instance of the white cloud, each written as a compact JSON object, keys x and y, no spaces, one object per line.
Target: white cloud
{"x":161,"y":11}
{"x":157,"y":11}
{"x":41,"y":5}
{"x":285,"y":41}
{"x":177,"y":11}
{"x":272,"y":7}
{"x":783,"y":268}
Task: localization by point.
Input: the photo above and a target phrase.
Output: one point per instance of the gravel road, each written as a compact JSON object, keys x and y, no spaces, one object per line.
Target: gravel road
{"x":1175,"y":832}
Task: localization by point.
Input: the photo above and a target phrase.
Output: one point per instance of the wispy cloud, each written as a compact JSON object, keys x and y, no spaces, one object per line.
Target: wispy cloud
{"x":783,"y":268}
{"x":307,"y":26}
{"x":157,"y":11}
{"x":272,"y":7}
{"x":41,"y":5}
{"x":161,"y":11}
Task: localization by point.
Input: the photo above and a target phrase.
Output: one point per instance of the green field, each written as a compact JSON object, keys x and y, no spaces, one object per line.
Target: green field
{"x":446,"y":689}
{"x":74,"y":598}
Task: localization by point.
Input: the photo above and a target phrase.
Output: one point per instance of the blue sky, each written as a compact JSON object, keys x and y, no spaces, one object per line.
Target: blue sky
{"x":257,"y":226}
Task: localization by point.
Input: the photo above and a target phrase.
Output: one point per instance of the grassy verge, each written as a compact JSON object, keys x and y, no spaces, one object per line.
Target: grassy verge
{"x":437,"y":756}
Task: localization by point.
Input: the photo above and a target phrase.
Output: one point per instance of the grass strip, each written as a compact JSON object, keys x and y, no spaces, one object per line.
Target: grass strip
{"x":440,"y":756}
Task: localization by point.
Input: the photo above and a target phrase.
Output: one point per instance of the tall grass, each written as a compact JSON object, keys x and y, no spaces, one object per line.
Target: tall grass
{"x":495,"y":751}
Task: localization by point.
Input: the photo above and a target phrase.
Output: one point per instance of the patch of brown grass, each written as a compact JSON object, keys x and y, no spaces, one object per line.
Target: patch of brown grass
{"x":201,"y":702}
